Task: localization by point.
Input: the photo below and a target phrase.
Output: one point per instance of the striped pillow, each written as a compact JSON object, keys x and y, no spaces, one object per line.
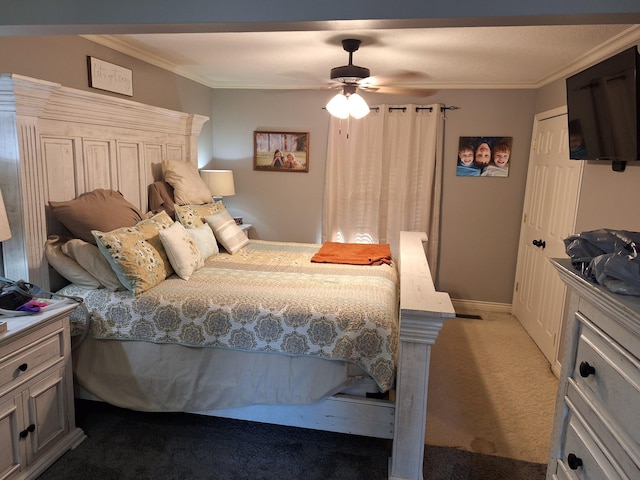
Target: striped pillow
{"x":227,"y":232}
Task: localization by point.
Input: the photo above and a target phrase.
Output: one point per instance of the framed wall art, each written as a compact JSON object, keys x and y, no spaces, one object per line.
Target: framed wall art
{"x":484,"y":156}
{"x":281,"y":151}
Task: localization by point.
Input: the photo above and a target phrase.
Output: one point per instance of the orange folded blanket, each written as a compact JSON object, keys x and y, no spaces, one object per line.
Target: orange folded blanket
{"x":353,"y":253}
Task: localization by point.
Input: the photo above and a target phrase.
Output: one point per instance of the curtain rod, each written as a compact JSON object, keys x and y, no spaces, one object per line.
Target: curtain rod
{"x":404,"y":109}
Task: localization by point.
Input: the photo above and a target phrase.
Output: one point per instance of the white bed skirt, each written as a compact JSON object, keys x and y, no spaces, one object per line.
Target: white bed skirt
{"x":174,"y":378}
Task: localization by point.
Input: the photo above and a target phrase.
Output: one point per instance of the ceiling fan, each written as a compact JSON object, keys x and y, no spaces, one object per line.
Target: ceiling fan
{"x":352,"y":77}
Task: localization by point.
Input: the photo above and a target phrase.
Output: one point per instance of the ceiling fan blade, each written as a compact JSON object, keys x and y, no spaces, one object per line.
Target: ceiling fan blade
{"x":398,"y":90}
{"x":404,"y":76}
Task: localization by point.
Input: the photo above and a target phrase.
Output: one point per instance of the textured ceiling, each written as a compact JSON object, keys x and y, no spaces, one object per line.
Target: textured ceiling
{"x":467,"y":57}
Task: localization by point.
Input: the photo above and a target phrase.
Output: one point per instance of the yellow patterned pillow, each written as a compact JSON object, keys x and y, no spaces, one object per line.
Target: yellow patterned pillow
{"x":192,"y":216}
{"x":136,"y":253}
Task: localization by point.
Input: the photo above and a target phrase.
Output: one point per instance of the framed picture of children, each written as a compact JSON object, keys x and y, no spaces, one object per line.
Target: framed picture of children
{"x":281,"y":151}
{"x":484,"y":156}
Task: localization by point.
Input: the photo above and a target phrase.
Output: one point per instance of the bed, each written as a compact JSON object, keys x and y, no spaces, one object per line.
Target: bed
{"x":64,"y":142}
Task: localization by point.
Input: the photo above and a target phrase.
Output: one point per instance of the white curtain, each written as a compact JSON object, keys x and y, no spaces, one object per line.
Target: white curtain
{"x":384,"y":175}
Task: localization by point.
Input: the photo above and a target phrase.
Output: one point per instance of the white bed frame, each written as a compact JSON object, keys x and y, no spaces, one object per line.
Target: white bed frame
{"x":57,"y":142}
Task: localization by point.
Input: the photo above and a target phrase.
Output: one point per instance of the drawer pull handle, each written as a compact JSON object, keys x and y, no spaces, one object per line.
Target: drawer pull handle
{"x":23,"y":367}
{"x":574,"y":461}
{"x":586,"y":369}
{"x":30,"y":429}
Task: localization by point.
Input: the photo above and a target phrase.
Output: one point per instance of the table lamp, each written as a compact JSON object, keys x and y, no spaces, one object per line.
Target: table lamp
{"x":5,"y":231}
{"x":220,"y":183}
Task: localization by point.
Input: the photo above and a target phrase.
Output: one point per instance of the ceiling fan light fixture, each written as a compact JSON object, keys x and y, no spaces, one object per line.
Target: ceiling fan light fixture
{"x":348,"y":103}
{"x":358,"y":108}
{"x":338,"y":106}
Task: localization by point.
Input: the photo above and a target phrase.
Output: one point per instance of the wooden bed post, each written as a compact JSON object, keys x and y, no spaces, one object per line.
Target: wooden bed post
{"x":422,"y":314}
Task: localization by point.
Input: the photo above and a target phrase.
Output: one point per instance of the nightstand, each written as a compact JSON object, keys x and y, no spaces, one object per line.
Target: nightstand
{"x":37,"y":418}
{"x":245,"y":227}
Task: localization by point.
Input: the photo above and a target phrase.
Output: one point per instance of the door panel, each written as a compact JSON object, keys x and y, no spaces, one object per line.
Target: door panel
{"x":551,"y":197}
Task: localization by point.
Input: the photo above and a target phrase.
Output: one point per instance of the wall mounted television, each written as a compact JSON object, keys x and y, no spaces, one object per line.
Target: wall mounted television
{"x":602,"y":105}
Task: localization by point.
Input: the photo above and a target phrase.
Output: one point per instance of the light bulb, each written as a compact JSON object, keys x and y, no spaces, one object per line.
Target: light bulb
{"x":338,"y":106}
{"x":358,"y":108}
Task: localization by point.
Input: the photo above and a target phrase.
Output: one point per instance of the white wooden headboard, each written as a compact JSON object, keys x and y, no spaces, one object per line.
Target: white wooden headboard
{"x":57,"y":143}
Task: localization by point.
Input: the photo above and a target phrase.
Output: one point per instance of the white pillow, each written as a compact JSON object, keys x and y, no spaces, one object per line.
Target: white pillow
{"x":205,"y":240}
{"x":181,"y":250}
{"x":228,"y":233}
{"x":92,"y":260}
{"x":67,"y":266}
{"x":187,"y":185}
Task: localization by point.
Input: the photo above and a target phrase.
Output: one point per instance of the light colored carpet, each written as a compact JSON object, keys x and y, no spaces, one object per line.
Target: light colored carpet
{"x":491,"y":390}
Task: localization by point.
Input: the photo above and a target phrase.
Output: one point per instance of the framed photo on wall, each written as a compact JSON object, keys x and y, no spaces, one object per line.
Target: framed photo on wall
{"x":484,"y":156}
{"x":281,"y":151}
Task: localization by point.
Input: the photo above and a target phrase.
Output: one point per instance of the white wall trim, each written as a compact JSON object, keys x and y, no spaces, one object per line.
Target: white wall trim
{"x":473,"y":306}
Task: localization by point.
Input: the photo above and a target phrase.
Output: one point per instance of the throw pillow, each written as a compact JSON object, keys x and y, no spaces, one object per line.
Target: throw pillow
{"x":227,"y":231}
{"x":66,"y":266}
{"x":192,"y":216}
{"x":181,"y":250}
{"x":205,"y":241}
{"x":88,"y":212}
{"x":187,"y":185}
{"x":89,"y":257}
{"x":136,"y":253}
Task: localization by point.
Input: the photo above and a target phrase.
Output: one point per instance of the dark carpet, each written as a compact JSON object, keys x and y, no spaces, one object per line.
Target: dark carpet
{"x":123,"y":444}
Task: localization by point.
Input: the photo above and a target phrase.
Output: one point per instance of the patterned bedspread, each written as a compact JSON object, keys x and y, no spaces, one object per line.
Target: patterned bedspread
{"x":268,"y":297}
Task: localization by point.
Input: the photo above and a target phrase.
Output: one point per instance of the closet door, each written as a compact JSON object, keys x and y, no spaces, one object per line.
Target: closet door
{"x":551,"y":198}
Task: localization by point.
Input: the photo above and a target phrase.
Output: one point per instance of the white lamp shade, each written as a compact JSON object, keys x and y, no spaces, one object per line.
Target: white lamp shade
{"x":5,"y":231}
{"x":220,"y":182}
{"x":358,"y":108}
{"x":342,"y":106}
{"x":338,"y":106}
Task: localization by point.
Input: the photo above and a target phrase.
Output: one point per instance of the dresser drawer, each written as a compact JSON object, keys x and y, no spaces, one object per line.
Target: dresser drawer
{"x":617,"y":444}
{"x":610,"y":377}
{"x":581,"y":455}
{"x":25,"y":362}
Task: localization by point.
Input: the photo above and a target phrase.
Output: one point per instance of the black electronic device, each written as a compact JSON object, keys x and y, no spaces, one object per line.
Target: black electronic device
{"x":603,"y":109}
{"x":13,"y":299}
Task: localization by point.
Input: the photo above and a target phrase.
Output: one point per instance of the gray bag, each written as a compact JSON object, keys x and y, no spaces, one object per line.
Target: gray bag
{"x":607,"y":257}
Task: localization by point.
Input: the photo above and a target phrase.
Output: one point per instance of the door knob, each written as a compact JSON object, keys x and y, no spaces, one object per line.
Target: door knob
{"x":540,"y":243}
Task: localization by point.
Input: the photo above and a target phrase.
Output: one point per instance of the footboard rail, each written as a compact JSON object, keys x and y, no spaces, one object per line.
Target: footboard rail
{"x":423,"y":311}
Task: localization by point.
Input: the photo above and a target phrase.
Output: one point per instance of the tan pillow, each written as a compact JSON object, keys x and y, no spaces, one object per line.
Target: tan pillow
{"x":101,"y":209}
{"x":227,"y":232}
{"x":187,"y":185}
{"x":66,"y":266}
{"x":192,"y":216}
{"x":181,"y":250}
{"x":136,"y":253}
{"x":91,"y":259}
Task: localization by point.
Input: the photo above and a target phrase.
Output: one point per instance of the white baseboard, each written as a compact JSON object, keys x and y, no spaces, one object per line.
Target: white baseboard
{"x":473,"y":306}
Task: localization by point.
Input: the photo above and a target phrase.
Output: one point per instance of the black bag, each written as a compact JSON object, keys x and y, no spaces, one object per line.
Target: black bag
{"x":14,"y":295}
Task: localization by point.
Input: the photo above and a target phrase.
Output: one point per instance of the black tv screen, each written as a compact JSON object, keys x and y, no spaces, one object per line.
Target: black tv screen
{"x":602,"y":104}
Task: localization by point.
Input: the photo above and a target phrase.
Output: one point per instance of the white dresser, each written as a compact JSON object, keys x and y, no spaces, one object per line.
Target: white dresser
{"x":37,"y":419}
{"x":596,"y":433}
